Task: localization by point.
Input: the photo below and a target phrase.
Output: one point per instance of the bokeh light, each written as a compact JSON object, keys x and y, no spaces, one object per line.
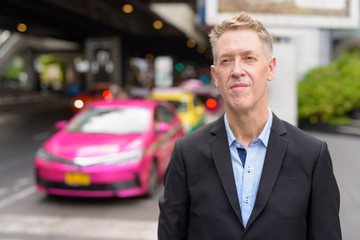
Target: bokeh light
{"x":179,"y":67}
{"x":128,"y":8}
{"x":190,"y":43}
{"x":149,"y":57}
{"x":158,"y":24}
{"x":21,"y":27}
{"x":201,"y":49}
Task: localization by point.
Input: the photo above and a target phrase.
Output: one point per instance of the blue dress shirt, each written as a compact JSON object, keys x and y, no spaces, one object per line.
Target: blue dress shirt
{"x":247,"y":178}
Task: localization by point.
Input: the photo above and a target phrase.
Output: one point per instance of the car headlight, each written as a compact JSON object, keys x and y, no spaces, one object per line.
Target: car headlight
{"x":124,"y":157}
{"x":79,"y":103}
{"x":43,"y":154}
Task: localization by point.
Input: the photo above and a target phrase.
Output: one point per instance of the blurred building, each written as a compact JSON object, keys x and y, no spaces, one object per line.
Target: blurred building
{"x":307,"y":34}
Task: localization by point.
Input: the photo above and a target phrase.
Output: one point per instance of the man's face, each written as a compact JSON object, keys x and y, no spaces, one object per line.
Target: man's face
{"x":242,"y":70}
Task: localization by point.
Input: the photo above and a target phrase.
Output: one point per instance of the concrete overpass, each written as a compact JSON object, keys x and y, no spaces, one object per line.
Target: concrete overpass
{"x":77,"y":21}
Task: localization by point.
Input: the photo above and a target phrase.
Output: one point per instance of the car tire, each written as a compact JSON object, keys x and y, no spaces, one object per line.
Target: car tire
{"x":153,"y":180}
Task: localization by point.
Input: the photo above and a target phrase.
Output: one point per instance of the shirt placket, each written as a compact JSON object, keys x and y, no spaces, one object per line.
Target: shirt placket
{"x":248,"y":186}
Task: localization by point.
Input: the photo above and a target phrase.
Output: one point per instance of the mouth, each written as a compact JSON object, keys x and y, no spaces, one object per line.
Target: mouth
{"x":239,"y":85}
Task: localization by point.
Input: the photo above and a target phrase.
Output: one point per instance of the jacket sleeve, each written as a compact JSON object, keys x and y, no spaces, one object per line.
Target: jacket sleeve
{"x":174,"y":203}
{"x":323,"y":214}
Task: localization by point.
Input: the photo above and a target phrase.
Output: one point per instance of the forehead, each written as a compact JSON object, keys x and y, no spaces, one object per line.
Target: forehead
{"x":239,"y":40}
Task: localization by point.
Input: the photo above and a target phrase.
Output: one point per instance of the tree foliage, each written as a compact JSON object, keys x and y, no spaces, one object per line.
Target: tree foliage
{"x":328,"y":94}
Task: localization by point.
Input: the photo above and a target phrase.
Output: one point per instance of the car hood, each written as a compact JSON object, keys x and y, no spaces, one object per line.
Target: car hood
{"x":72,"y":145}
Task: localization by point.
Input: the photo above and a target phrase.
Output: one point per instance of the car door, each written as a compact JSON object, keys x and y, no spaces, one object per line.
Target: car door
{"x":168,"y":128}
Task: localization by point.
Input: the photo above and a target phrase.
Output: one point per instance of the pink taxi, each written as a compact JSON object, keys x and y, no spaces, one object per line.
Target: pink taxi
{"x":117,"y":148}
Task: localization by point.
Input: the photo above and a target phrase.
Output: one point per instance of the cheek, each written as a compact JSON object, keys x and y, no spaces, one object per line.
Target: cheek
{"x":220,"y":82}
{"x":216,"y":82}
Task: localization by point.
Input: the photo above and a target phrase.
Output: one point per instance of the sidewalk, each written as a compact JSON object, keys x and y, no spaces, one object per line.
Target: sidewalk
{"x":353,"y":129}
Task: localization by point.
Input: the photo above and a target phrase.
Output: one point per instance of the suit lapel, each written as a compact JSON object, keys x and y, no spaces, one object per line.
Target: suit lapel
{"x":274,"y":157}
{"x":222,"y":159}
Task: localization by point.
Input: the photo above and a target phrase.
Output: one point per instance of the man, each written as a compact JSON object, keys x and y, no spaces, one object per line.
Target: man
{"x":248,"y":175}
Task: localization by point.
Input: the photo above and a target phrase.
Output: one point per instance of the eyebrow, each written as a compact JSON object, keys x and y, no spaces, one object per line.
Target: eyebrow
{"x":249,"y":52}
{"x":246,"y":52}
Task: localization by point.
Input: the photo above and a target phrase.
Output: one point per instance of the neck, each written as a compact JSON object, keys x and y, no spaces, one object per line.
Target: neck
{"x":247,"y":126}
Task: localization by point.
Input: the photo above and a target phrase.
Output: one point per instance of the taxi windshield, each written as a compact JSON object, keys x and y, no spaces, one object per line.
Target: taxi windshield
{"x":111,"y":121}
{"x":181,"y":106}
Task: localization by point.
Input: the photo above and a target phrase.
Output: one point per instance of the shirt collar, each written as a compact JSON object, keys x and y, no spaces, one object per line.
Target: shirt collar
{"x":264,"y":135}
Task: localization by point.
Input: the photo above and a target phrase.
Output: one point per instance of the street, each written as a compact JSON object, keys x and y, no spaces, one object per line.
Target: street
{"x":28,"y":215}
{"x":345,"y":152}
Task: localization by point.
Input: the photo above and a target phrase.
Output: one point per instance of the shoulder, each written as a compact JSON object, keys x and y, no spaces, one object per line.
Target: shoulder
{"x":294,"y":135}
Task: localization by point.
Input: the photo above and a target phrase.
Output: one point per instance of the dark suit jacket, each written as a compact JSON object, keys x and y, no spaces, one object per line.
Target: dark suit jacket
{"x":297,"y":199}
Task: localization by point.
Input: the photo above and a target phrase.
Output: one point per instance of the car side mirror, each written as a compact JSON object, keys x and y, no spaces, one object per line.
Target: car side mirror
{"x":61,"y":124}
{"x":162,"y":127}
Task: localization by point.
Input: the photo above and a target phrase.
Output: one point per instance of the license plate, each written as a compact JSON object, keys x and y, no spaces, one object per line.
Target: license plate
{"x":82,"y":179}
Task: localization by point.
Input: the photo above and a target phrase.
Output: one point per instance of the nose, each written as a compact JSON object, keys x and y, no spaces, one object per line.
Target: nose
{"x":238,"y":68}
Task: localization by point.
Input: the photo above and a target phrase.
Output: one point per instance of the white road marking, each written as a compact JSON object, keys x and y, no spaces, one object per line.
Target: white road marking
{"x":17,"y":196}
{"x":3,"y":191}
{"x":23,"y":181}
{"x":20,"y":183}
{"x":82,"y":227}
{"x":72,"y":227}
{"x":15,"y":188}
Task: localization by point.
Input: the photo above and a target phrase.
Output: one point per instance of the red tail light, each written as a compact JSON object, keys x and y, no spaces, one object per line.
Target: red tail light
{"x":211,"y":103}
{"x":106,"y":94}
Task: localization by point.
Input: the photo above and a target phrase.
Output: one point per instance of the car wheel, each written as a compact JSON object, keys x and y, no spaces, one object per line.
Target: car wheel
{"x":153,"y":181}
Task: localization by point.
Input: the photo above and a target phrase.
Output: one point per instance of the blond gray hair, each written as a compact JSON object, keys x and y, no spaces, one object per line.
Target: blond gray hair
{"x":243,"y":21}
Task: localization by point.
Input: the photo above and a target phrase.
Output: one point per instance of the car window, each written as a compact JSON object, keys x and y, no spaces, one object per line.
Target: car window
{"x":196,"y":102}
{"x":181,"y":106}
{"x":111,"y":121}
{"x":203,"y":98}
{"x":163,"y":114}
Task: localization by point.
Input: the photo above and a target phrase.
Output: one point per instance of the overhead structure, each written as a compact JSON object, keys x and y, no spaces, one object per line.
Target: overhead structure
{"x":78,"y":20}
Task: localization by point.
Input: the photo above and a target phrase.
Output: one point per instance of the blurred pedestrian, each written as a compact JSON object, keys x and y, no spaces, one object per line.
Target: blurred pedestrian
{"x":248,"y":175}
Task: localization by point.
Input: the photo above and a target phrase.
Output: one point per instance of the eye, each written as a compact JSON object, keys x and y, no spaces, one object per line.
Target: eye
{"x":225,"y":60}
{"x":250,"y":58}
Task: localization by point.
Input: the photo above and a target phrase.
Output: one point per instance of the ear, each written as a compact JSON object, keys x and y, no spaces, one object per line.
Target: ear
{"x":271,"y":72}
{"x":213,"y":73}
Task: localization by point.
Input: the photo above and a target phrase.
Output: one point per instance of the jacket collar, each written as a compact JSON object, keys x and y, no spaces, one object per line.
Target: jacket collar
{"x":221,"y":156}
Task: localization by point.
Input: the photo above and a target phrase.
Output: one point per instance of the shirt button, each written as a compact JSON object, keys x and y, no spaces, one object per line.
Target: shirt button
{"x":249,"y":170}
{"x":247,"y":200}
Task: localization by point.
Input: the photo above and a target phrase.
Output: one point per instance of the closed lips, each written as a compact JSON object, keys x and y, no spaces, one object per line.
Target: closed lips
{"x":239,"y":85}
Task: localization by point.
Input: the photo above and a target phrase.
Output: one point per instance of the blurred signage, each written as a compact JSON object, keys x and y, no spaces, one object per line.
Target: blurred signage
{"x":103,"y":55}
{"x":289,"y":13}
{"x":163,"y":66}
{"x":102,"y":66}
